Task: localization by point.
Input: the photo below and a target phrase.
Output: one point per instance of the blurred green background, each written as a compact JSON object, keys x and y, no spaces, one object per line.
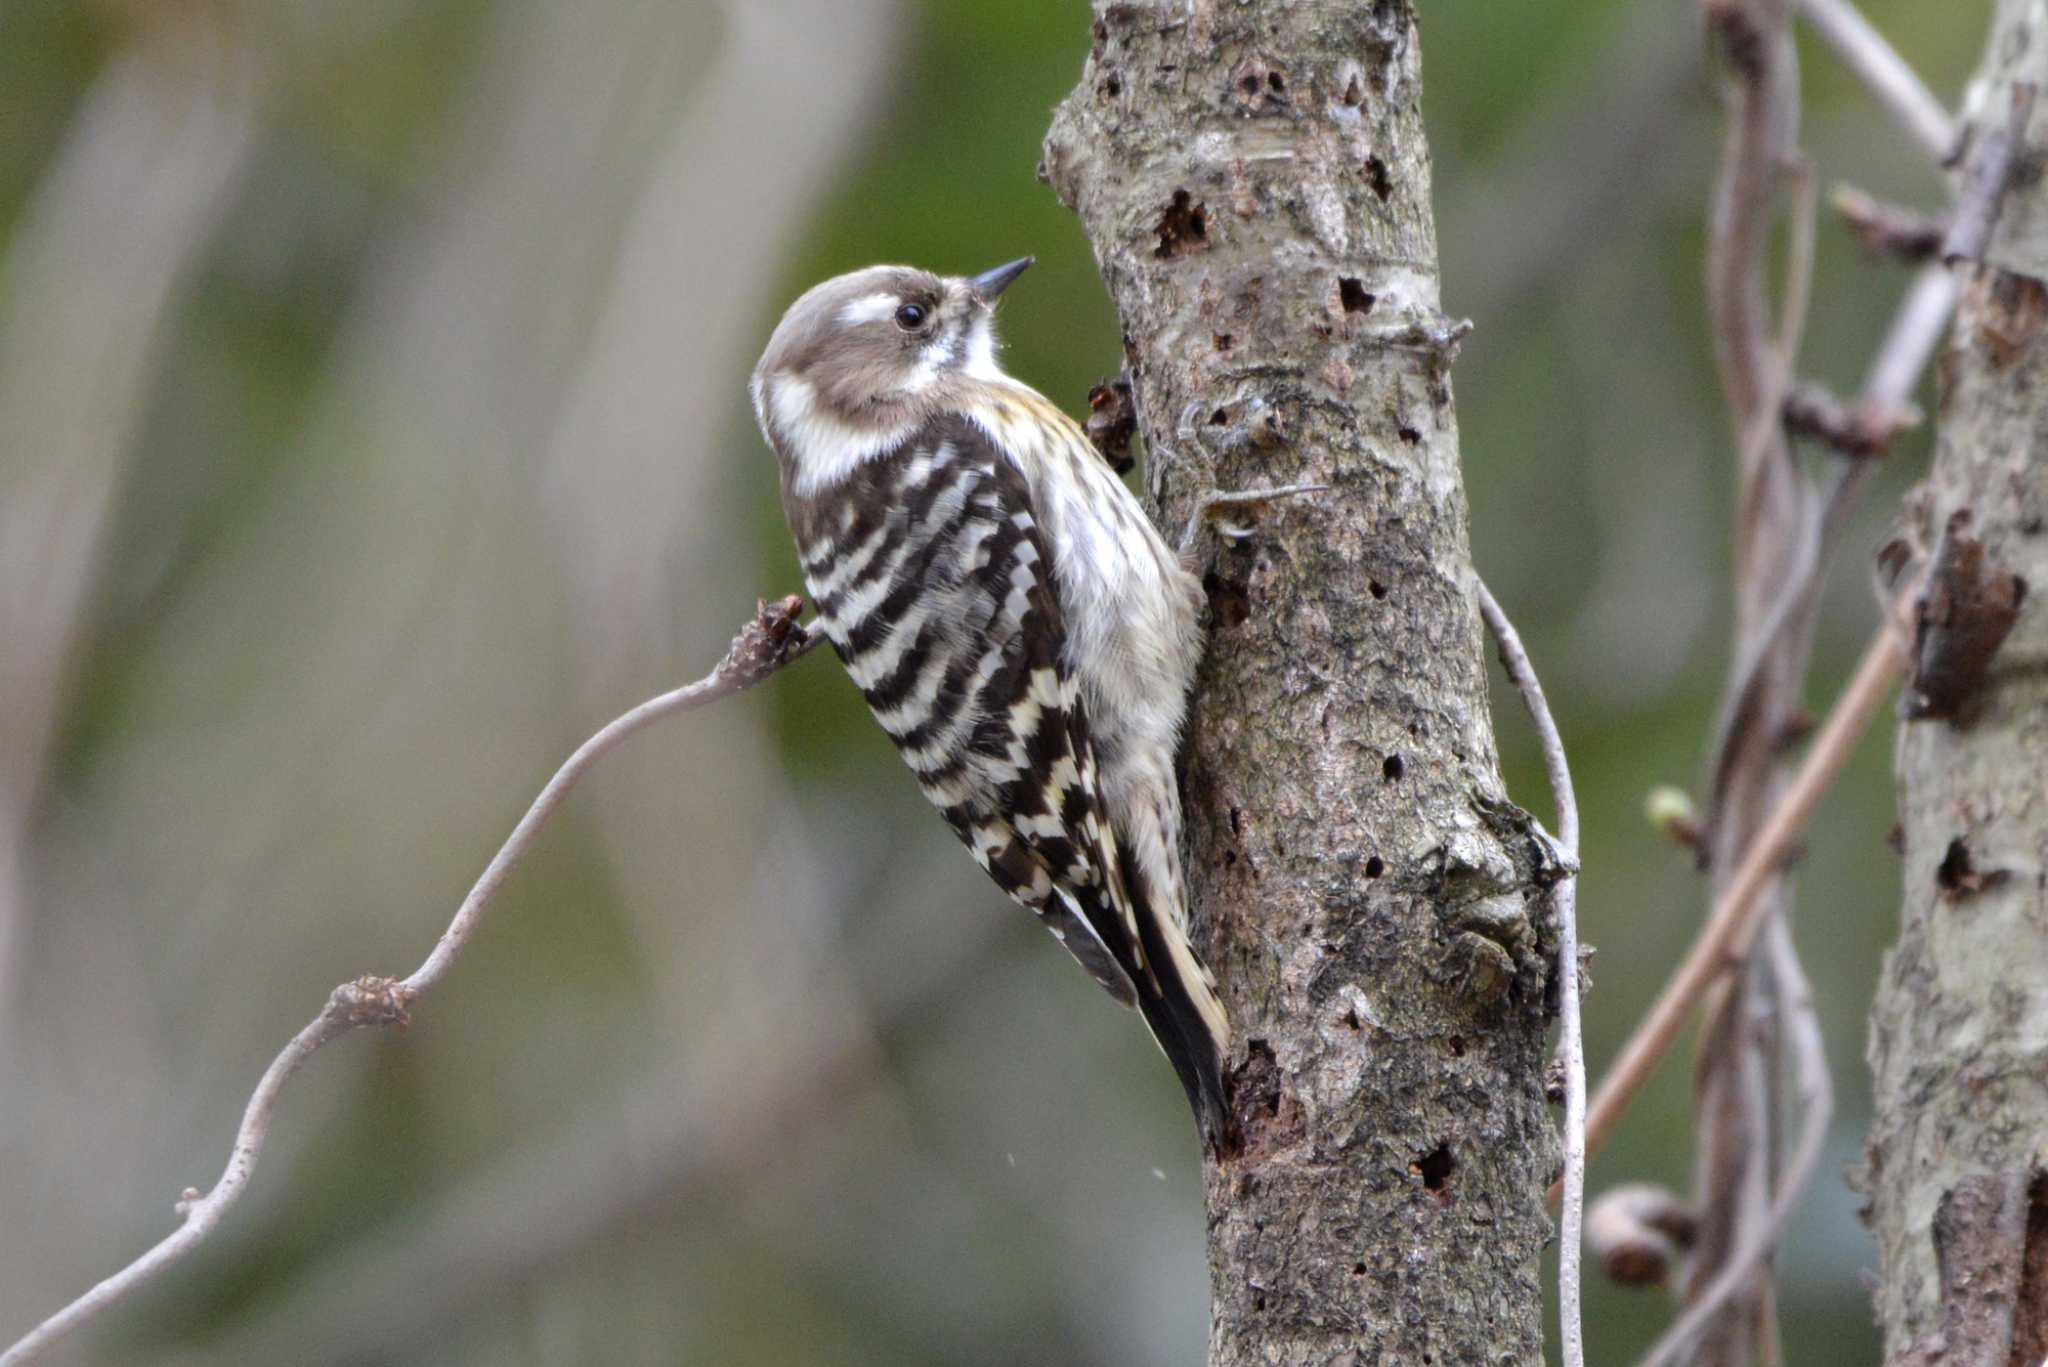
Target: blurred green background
{"x":372,"y":427}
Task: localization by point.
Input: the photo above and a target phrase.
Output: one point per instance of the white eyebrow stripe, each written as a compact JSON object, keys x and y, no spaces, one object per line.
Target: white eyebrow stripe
{"x":868,"y":309}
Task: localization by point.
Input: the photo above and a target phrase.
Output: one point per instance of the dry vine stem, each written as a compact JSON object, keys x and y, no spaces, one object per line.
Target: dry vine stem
{"x":765,"y":644}
{"x":1571,"y":1040}
{"x":1725,"y":937}
{"x":1881,"y":409}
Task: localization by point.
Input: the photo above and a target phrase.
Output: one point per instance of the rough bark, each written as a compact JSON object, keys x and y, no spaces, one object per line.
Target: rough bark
{"x":1959,"y":1032}
{"x":1255,"y":181}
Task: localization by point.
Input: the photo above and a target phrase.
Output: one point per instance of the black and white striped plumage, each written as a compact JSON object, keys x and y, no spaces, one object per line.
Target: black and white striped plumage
{"x":1020,"y":629}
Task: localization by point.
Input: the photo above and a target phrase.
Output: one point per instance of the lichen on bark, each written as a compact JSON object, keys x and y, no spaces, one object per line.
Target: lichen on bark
{"x":1959,"y":1031}
{"x":1255,"y":181}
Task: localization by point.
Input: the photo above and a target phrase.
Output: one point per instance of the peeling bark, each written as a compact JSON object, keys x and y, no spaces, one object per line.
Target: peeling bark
{"x":1959,"y":1032}
{"x":1255,"y":181}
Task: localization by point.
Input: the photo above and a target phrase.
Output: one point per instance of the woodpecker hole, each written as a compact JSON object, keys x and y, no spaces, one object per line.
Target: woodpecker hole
{"x":1410,"y":435}
{"x":1349,"y":1020}
{"x":1377,"y":177}
{"x":1183,"y":227}
{"x":1394,"y":768}
{"x":1220,"y":418}
{"x":1229,"y":599}
{"x":1112,"y":86}
{"x":1351,"y":82}
{"x":1357,"y":301}
{"x":1276,"y":83}
{"x":1224,"y":341}
{"x":1436,"y":1168}
{"x":1377,"y":590}
{"x":1358,"y":1269}
{"x":1457,"y":1043}
{"x":1955,"y":868}
{"x":1375,"y":866}
{"x":1958,"y":875}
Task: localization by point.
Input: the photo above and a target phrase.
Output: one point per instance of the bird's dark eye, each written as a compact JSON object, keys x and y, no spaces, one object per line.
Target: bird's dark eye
{"x":910,"y":317}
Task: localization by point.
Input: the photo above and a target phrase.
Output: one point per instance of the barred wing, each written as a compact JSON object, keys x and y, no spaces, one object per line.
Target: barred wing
{"x":932,"y":581}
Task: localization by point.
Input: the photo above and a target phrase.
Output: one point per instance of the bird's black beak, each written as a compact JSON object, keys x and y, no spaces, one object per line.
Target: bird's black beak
{"x":989,"y":284}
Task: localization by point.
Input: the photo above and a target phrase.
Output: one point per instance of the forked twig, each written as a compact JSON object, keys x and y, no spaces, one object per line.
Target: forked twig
{"x":771,"y":640}
{"x":1571,"y":1041}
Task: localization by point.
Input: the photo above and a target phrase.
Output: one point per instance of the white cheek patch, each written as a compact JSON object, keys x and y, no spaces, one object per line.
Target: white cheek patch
{"x":981,"y":352}
{"x":935,"y":361}
{"x":823,"y":449}
{"x":870,"y":308}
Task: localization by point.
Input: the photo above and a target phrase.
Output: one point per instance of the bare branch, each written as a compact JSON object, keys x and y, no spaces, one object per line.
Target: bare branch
{"x":1571,"y":1041}
{"x":1722,"y":941}
{"x":1885,"y":74}
{"x":1992,"y":163}
{"x":771,"y":640}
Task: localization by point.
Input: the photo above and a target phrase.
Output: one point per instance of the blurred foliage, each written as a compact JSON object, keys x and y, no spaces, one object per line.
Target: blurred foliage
{"x":1000,"y":1173}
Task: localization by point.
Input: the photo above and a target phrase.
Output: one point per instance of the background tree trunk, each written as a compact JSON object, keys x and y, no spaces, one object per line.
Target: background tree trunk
{"x":1255,"y":181}
{"x":1959,"y":1031}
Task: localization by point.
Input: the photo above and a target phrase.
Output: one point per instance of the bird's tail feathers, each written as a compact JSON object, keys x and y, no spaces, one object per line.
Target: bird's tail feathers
{"x":1178,"y":1000}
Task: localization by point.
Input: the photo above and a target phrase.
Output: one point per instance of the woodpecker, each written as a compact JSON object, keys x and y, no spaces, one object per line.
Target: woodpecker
{"x":1020,"y":629}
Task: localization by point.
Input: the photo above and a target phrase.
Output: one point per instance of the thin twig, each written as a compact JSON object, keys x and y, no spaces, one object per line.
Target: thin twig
{"x":1885,"y":74}
{"x":1915,"y":330}
{"x":773,"y":639}
{"x":1733,"y":920}
{"x":1571,"y":1043}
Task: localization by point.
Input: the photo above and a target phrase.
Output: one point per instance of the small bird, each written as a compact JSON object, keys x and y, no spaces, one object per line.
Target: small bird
{"x":1020,"y":629}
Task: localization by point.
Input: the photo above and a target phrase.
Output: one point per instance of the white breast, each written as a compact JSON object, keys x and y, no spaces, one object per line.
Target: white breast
{"x":1133,"y":634}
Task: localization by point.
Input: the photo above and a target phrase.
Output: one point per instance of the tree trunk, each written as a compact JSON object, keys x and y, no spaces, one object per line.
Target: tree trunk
{"x":1957,"y":1172}
{"x":1255,"y":181}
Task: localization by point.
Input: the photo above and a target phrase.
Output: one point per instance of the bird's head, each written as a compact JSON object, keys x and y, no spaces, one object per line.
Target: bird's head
{"x":863,"y":356}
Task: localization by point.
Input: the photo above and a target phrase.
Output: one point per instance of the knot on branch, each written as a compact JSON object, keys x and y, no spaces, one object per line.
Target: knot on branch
{"x":765,"y":644}
{"x":371,"y":1000}
{"x":1731,"y":22}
